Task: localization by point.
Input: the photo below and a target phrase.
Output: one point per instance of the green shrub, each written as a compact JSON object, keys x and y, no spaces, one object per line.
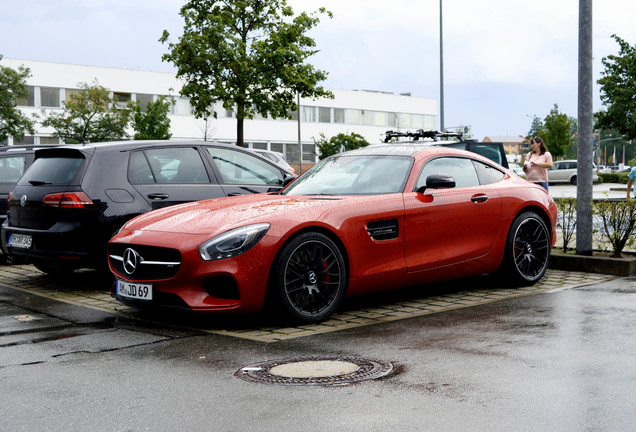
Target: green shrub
{"x":566,"y":219}
{"x":619,"y":219}
{"x":613,"y":177}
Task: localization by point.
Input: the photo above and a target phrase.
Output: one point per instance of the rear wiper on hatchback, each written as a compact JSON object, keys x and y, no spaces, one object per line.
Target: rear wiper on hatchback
{"x":39,"y":182}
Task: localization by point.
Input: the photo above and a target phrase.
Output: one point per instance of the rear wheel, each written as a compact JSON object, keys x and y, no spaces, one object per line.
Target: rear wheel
{"x":309,"y":277}
{"x":527,"y":249}
{"x":573,"y":180}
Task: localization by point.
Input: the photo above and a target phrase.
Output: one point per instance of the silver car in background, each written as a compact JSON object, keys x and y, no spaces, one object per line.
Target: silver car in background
{"x":565,"y":171}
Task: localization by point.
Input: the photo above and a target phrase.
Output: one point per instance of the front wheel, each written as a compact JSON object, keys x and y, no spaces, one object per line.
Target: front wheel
{"x":309,"y":277}
{"x":527,"y":251}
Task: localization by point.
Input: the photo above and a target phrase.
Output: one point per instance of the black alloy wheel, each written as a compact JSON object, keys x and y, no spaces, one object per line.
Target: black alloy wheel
{"x":527,"y":249}
{"x":310,"y":277}
{"x":573,"y":180}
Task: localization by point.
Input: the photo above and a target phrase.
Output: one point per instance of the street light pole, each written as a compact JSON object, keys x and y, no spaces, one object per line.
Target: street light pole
{"x":586,"y":129}
{"x":441,"y":69}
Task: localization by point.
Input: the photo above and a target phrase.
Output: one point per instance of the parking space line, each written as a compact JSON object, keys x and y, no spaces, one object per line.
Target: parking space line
{"x":82,"y":292}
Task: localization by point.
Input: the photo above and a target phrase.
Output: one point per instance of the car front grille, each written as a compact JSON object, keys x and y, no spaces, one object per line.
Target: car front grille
{"x":137,"y":262}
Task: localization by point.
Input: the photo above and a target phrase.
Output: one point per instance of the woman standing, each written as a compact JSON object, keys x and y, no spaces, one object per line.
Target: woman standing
{"x":537,"y":163}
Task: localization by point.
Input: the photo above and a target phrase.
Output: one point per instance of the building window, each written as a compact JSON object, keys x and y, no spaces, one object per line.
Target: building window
{"x":353,"y":116}
{"x":338,"y":115}
{"x":181,"y":106}
{"x":69,"y":92}
{"x":404,"y":120}
{"x":392,"y":120}
{"x":309,"y":114}
{"x":49,"y":140}
{"x":50,"y":97}
{"x":416,"y":121}
{"x":143,"y":100}
{"x":28,"y":139}
{"x":367,"y":118}
{"x":324,"y":115}
{"x":28,"y":101}
{"x":294,"y":115}
{"x":259,"y":146}
{"x":278,"y":147}
{"x":429,"y":122}
{"x":309,"y":153}
{"x":380,"y":119}
{"x":122,"y":99}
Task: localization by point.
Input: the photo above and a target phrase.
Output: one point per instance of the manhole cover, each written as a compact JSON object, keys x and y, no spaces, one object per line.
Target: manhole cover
{"x":315,"y":371}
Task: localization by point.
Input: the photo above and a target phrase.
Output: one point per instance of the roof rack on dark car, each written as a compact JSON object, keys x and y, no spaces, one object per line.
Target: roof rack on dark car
{"x":421,"y":133}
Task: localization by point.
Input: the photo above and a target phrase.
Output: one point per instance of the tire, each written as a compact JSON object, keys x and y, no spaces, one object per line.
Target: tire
{"x":309,"y":278}
{"x":527,"y":252}
{"x":573,"y":180}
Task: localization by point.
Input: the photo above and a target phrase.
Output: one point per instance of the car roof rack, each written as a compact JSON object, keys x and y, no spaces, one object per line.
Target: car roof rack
{"x":421,"y":133}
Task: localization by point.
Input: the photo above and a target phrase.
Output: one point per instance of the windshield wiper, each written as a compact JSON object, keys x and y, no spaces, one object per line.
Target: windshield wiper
{"x":39,"y":182}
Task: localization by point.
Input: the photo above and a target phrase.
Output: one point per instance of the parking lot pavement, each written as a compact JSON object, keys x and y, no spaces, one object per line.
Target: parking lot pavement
{"x":83,"y":289}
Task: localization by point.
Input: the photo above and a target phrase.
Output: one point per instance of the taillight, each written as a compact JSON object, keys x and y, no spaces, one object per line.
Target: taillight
{"x":68,"y":200}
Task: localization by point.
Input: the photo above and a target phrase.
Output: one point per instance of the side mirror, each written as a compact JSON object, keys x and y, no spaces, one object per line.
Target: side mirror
{"x":438,"y":181}
{"x":288,"y":178}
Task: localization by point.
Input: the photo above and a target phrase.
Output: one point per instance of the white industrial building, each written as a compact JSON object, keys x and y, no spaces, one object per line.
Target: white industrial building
{"x":368,"y":113}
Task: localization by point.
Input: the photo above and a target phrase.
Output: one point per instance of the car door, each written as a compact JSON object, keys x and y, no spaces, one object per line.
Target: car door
{"x":167,"y":176}
{"x":447,"y":226}
{"x":242,"y":173}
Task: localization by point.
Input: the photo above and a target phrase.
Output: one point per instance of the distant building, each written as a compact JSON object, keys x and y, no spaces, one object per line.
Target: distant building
{"x":514,"y":146}
{"x":367,"y":113}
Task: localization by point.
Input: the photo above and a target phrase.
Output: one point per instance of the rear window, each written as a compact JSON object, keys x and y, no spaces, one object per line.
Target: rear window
{"x":52,"y":171}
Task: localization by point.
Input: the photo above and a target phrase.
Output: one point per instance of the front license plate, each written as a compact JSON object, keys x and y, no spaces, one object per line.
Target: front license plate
{"x":20,"y":241}
{"x":138,"y":291}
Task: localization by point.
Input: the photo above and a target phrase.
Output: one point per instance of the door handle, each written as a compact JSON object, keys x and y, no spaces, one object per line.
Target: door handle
{"x":479,"y":198}
{"x":161,"y":196}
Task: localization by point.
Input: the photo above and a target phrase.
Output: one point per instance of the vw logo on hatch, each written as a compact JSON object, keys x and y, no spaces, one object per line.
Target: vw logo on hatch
{"x":131,"y":260}
{"x":23,"y":200}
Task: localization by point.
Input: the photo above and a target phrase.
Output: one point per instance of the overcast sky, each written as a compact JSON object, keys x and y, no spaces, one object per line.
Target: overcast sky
{"x":504,"y":61}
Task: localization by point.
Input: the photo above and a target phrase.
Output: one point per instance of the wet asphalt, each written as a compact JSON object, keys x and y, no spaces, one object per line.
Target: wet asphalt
{"x":557,"y":361}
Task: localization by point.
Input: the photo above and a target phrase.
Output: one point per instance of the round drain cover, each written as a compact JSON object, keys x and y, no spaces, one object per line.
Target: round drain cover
{"x":315,"y":371}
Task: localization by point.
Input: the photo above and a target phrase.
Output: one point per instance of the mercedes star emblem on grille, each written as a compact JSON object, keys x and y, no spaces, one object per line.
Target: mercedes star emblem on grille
{"x":131,"y":260}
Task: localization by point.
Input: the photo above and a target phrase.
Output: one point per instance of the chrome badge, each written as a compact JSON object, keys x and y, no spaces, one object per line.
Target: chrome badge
{"x":23,"y":200}
{"x":131,"y":261}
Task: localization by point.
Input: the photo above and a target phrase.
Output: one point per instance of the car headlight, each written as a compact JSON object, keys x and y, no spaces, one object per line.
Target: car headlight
{"x":233,"y":242}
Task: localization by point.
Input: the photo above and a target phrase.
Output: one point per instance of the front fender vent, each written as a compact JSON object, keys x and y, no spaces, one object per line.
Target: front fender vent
{"x":387,"y":229}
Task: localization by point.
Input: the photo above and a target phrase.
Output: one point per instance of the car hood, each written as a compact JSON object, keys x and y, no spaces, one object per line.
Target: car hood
{"x":219,"y":215}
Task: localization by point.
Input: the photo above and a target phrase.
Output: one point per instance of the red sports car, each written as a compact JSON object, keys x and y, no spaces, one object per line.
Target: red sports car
{"x":377,"y":218}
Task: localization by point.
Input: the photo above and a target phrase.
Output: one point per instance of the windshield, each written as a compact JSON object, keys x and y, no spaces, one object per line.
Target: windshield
{"x":354,"y":175}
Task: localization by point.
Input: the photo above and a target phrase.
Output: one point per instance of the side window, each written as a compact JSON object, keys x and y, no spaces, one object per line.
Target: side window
{"x":138,"y":169}
{"x":237,"y":167}
{"x":487,"y":174}
{"x":11,"y":168}
{"x":461,"y":169}
{"x":168,"y":165}
{"x":488,"y":151}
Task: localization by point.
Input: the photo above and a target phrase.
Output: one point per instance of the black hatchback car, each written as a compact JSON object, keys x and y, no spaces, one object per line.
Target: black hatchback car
{"x":73,"y":198}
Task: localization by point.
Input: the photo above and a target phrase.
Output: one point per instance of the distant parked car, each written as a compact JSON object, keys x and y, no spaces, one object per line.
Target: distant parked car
{"x":518,"y":170}
{"x":73,"y":198}
{"x":276,"y":157}
{"x":565,"y":171}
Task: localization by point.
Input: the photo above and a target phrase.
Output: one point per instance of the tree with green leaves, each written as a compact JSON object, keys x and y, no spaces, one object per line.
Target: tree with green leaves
{"x":247,"y":54}
{"x":536,"y":127}
{"x":618,"y":87}
{"x":13,"y":87}
{"x":153,"y":123}
{"x":89,"y":115}
{"x":336,"y":144}
{"x":556,"y":132}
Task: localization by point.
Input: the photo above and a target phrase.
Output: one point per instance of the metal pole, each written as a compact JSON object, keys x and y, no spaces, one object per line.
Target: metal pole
{"x":300,"y":145}
{"x":441,"y":70}
{"x":586,"y":129}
